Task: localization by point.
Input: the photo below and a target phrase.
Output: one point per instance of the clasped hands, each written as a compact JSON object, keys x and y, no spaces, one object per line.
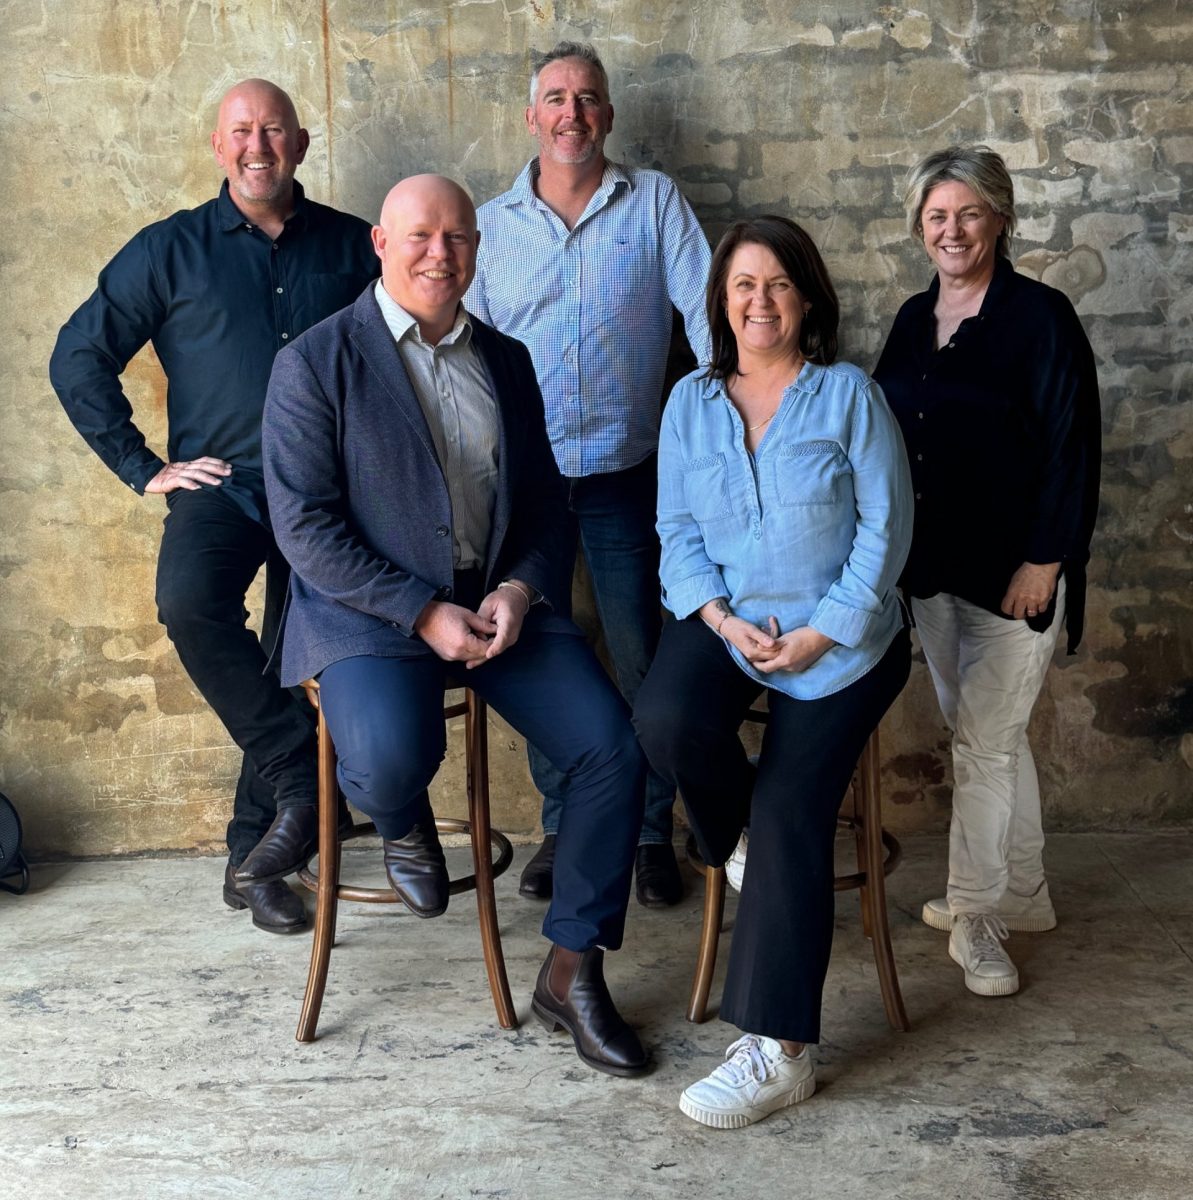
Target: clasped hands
{"x":458,"y":634}
{"x":767,"y":650}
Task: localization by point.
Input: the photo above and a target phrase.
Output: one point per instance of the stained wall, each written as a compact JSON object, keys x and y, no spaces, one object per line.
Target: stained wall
{"x":806,"y":109}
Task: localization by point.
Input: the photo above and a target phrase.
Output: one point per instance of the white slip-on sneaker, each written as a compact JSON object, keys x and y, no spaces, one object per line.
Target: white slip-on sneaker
{"x":1021,"y":914}
{"x":735,"y":868}
{"x":975,"y":944}
{"x":755,"y":1079}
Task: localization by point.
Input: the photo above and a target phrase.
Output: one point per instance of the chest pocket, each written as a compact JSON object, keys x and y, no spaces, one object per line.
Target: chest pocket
{"x":706,"y":487}
{"x":810,"y":473}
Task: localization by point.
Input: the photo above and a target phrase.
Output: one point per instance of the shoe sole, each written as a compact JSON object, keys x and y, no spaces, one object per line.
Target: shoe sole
{"x":985,"y":985}
{"x":552,"y":1024}
{"x":236,"y":901}
{"x":944,"y":921}
{"x":715,"y":1119}
{"x":533,"y":893}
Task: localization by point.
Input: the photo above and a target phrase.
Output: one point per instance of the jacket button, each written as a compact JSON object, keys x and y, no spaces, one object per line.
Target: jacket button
{"x":442,"y":530}
{"x":443,"y":593}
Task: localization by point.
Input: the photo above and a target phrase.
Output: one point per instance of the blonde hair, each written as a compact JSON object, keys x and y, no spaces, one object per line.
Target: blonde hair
{"x":979,"y":168}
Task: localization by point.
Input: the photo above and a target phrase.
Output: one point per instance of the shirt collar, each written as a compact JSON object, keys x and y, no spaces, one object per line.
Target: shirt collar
{"x":230,"y":217}
{"x":808,"y":380}
{"x":522,"y":191}
{"x":402,"y":325}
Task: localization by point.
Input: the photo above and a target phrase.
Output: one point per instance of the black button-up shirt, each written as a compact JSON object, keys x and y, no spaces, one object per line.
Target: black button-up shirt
{"x":1003,"y":432}
{"x":218,"y":298}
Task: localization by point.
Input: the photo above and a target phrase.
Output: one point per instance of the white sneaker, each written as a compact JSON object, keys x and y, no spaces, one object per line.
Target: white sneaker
{"x":735,"y":868}
{"x":1022,"y":914}
{"x":755,"y":1079}
{"x":975,"y":943}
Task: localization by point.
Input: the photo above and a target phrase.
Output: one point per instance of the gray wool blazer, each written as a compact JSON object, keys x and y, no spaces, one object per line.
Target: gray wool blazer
{"x":358,"y":501}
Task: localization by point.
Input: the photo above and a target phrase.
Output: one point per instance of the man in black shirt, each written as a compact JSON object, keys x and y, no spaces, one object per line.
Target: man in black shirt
{"x":218,"y":290}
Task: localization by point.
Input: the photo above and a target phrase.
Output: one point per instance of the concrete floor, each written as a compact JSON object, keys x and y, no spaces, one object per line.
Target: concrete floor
{"x":147,"y":1050}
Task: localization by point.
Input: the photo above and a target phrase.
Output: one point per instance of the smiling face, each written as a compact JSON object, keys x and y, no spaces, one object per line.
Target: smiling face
{"x":571,"y":115}
{"x":427,"y":242}
{"x":764,"y":307}
{"x":960,"y":232}
{"x":259,"y":144}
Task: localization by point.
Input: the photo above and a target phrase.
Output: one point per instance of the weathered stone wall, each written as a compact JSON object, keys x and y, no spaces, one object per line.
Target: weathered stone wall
{"x":807,"y":109}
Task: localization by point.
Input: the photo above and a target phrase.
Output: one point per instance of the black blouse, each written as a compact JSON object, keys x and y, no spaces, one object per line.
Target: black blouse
{"x":1003,"y":432}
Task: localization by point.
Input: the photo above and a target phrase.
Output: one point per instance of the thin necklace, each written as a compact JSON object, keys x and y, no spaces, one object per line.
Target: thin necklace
{"x":751,"y":428}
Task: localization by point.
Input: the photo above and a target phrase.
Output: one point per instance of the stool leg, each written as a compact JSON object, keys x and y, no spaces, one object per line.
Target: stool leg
{"x":710,"y":932}
{"x":476,"y":734}
{"x":873,"y":892}
{"x":328,"y":891}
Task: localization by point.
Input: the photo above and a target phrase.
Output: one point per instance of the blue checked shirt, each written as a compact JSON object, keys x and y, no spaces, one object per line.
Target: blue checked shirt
{"x":812,"y":528}
{"x":593,"y":306}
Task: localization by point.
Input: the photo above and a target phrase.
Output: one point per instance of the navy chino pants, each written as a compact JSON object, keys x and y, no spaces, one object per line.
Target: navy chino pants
{"x":386,"y":719}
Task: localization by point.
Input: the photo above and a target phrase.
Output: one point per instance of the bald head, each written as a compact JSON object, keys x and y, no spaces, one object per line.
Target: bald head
{"x":259,"y":144}
{"x":426,"y":239}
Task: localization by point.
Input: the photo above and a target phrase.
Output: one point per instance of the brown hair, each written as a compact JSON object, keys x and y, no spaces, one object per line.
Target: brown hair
{"x":799,"y":258}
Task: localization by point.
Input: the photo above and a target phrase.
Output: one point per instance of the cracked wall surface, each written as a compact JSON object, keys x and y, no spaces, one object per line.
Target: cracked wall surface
{"x":806,"y":109}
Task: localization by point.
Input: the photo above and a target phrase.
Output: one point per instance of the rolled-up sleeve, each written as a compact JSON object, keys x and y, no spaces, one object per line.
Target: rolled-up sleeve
{"x":882,"y":492}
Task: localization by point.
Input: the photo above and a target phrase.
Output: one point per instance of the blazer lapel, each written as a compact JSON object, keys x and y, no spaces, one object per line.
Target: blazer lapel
{"x":380,"y":353}
{"x":508,"y":436}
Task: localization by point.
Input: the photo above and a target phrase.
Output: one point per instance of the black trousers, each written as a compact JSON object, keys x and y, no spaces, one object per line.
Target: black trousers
{"x":210,"y":554}
{"x":687,"y":716}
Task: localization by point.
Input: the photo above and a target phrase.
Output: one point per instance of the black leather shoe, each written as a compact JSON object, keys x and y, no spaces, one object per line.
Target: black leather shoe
{"x":416,"y":870}
{"x":537,"y":878}
{"x":275,"y":908}
{"x":656,"y":873}
{"x":571,"y":994}
{"x":287,"y":846}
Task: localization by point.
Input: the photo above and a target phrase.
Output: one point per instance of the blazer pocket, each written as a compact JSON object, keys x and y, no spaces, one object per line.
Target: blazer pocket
{"x":810,"y":472}
{"x":706,"y":487}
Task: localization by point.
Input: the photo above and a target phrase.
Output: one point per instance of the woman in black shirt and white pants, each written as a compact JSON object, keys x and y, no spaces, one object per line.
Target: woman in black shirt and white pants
{"x":992,"y":380}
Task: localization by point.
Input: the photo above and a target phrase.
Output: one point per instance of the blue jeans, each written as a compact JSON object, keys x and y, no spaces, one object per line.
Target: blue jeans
{"x":613,"y":515}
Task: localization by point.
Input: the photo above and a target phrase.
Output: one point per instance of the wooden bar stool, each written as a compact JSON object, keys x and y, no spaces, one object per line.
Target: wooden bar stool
{"x":878,"y":853}
{"x":329,"y":891}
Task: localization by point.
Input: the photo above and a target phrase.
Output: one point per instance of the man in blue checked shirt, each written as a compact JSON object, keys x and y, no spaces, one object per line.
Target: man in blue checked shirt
{"x":582,"y":260}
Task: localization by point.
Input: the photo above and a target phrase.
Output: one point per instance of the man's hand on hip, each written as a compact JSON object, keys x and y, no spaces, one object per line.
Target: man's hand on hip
{"x":190,"y":475}
{"x":456,"y":634}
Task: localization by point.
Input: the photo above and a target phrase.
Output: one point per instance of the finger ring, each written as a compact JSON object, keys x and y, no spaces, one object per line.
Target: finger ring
{"x":1031,"y":612}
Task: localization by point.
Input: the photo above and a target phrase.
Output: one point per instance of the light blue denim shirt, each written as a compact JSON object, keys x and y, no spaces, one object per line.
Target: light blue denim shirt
{"x":812,"y":528}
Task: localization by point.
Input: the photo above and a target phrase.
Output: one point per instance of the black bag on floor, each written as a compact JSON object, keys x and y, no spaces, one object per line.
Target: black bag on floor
{"x":12,"y":861}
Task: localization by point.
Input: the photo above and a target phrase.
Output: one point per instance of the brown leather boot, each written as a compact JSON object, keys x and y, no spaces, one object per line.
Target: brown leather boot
{"x":571,"y":994}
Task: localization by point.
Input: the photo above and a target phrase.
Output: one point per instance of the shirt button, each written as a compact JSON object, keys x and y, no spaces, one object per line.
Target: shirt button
{"x":919,"y":458}
{"x":919,"y":495}
{"x":922,"y":377}
{"x":442,"y":530}
{"x":285,"y":337}
{"x":920,"y":415}
{"x":281,"y":290}
{"x":275,"y":245}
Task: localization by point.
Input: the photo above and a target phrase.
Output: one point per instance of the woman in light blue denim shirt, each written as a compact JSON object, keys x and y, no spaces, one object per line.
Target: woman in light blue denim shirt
{"x":785,"y":516}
